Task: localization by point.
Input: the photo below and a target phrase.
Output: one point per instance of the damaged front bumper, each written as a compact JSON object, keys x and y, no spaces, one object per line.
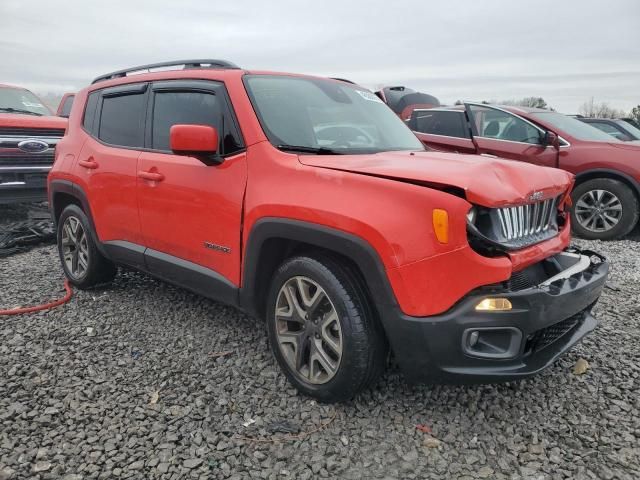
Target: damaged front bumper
{"x":549,"y":311}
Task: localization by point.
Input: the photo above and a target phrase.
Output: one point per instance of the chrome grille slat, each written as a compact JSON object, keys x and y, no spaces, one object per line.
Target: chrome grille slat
{"x":523,"y":224}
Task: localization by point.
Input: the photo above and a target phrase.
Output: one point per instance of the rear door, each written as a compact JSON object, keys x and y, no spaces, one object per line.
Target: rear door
{"x":107,"y":164}
{"x":191,"y":219}
{"x":443,"y":130}
{"x":503,"y":134}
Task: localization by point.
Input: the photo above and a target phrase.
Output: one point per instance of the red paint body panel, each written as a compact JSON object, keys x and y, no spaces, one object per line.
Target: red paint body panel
{"x":193,"y":138}
{"x":486,"y":181}
{"x":386,"y":199}
{"x":31,"y":121}
{"x":193,"y":204}
{"x":111,"y":185}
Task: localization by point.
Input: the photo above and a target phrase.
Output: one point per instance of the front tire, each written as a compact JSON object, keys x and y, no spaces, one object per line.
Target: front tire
{"x":603,"y":209}
{"x":81,"y":260}
{"x":322,"y":329}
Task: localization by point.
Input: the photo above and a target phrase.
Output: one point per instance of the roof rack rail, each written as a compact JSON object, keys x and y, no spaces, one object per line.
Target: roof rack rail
{"x":342,"y":80}
{"x":203,"y":63}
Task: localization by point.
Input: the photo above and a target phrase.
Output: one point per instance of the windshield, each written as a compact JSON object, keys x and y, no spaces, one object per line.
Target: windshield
{"x":19,"y":100}
{"x":326,"y":116}
{"x":573,"y":127}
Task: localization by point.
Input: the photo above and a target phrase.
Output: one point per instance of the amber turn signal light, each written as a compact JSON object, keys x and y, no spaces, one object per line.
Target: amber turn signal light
{"x":441,"y":225}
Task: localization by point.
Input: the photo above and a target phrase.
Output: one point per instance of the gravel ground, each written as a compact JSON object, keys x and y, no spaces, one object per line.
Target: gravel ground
{"x":144,"y":380}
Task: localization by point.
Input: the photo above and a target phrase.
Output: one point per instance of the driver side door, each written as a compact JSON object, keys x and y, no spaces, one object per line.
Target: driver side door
{"x":500,"y":133}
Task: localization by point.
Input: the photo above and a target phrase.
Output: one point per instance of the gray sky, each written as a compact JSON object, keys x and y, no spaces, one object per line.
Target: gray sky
{"x":563,"y":50}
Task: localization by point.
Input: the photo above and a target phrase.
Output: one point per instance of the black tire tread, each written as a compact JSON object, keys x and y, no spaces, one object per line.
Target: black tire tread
{"x":631,"y":208}
{"x":368,"y":343}
{"x":101,"y":270}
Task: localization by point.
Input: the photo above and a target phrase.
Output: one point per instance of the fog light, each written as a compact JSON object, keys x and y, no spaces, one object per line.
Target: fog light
{"x":494,"y":305}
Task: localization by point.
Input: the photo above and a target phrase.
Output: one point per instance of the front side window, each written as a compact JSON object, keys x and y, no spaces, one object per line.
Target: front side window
{"x":326,"y":116}
{"x":501,"y":125}
{"x":21,"y":101}
{"x":175,"y":107}
{"x":449,"y":124}
{"x":121,"y":120}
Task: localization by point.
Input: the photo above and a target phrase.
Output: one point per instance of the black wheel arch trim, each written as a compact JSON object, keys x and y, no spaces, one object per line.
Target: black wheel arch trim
{"x":596,"y":172}
{"x":346,"y":244}
{"x":73,"y":189}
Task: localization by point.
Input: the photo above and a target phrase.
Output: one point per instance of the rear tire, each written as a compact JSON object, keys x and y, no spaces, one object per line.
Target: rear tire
{"x":82,"y":262}
{"x":603,"y":209}
{"x":322,"y":329}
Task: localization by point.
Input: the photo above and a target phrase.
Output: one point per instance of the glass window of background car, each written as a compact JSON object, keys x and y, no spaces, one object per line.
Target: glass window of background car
{"x":501,"y":125}
{"x":21,"y":99}
{"x":88,"y":121}
{"x":610,"y":129}
{"x":314,"y":113}
{"x":629,"y":127}
{"x":573,"y":127}
{"x":182,"y":108}
{"x":450,"y":124}
{"x":66,"y":107}
{"x":121,"y":120}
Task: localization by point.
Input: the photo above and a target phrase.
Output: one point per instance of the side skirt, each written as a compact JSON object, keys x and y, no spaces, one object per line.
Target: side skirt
{"x":174,"y":270}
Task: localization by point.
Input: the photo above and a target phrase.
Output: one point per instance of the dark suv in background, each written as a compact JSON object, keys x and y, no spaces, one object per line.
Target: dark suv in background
{"x":29,"y":132}
{"x":617,"y":128}
{"x":607,"y":184}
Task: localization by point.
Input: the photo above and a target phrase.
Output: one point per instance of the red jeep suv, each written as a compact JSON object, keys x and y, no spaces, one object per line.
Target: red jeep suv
{"x":307,"y":202}
{"x":606,"y":194}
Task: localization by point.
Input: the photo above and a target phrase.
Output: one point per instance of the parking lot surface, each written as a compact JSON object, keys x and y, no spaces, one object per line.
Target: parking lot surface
{"x":142,"y":380}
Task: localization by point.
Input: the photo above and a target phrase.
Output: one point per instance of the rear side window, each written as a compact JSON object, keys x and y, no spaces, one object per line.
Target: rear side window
{"x":175,"y":108}
{"x":450,"y":124}
{"x":88,"y":121}
{"x":121,"y":120}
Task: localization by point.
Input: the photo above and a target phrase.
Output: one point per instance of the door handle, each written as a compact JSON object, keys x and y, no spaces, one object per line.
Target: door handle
{"x":151,"y":176}
{"x":89,"y":163}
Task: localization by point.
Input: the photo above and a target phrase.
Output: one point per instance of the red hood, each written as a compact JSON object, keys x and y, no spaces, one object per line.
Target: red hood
{"x":31,"y":121}
{"x":486,"y":181}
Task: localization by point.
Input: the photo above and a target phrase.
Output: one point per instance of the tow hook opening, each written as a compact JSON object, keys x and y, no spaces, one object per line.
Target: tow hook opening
{"x":497,"y":343}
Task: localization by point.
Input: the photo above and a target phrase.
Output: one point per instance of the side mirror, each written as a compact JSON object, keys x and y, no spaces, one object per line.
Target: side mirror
{"x":200,"y":141}
{"x":550,"y":138}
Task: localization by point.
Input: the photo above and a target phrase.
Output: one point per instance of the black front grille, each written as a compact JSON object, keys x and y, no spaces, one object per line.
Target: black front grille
{"x":548,"y":335}
{"x":24,"y":160}
{"x":31,"y":132}
{"x":527,"y":278}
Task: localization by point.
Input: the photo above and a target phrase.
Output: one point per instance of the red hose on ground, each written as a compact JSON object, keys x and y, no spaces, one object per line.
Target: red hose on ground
{"x":45,"y":306}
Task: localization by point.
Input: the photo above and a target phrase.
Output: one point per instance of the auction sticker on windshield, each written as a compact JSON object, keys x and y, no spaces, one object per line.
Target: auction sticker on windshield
{"x":369,"y":96}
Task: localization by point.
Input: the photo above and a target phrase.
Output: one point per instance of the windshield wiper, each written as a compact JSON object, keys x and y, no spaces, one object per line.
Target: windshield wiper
{"x":303,"y":149}
{"x":19,"y":110}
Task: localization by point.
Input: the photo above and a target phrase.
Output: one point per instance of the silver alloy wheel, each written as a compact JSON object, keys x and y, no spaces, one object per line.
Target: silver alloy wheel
{"x":598,"y":210}
{"x":75,"y":249}
{"x":308,"y":330}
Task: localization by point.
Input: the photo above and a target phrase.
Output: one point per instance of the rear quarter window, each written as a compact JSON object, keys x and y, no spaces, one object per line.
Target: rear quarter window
{"x":88,"y":120}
